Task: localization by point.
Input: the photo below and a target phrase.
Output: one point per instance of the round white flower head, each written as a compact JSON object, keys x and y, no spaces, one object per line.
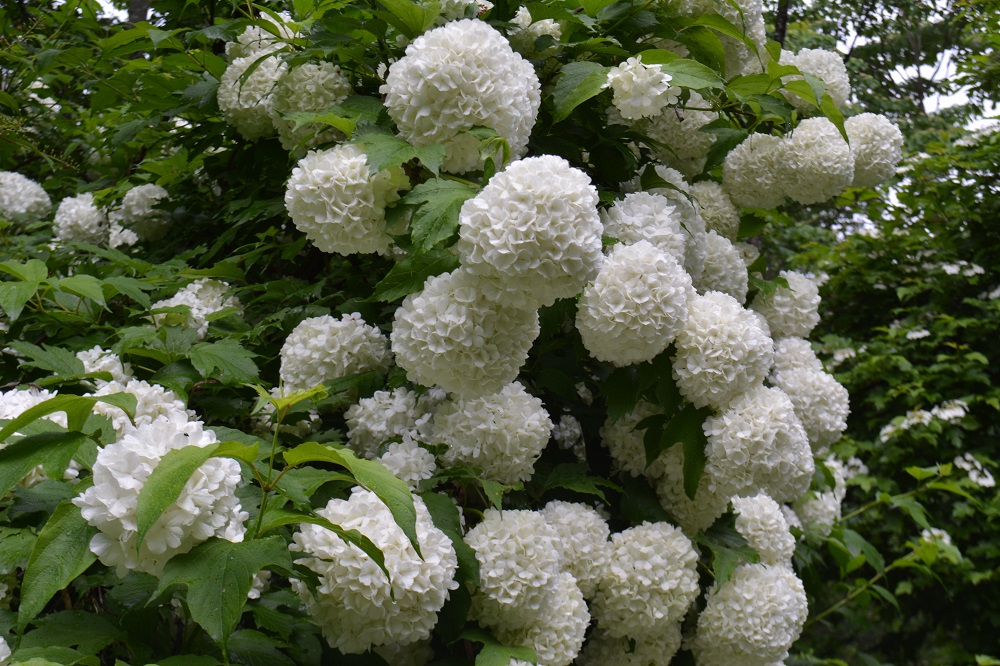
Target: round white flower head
{"x":339,"y":204}
{"x":646,"y":216}
{"x":751,"y":173}
{"x":503,"y":433}
{"x":749,"y":15}
{"x":636,"y":306}
{"x":750,"y":254}
{"x":556,"y":636}
{"x":119,"y":236}
{"x":256,"y":41}
{"x":526,"y":32}
{"x":204,"y":298}
{"x":640,"y":90}
{"x":752,"y":619}
{"x":355,"y":605}
{"x":583,"y":541}
{"x":691,"y":514}
{"x":535,"y":227}
{"x":456,"y":77}
{"x":717,"y":209}
{"x":825,"y":65}
{"x":649,"y":583}
{"x":602,"y":649}
{"x":387,"y":415}
{"x":206,"y":507}
{"x":816,"y":162}
{"x":247,"y":105}
{"x":877,"y":146}
{"x":685,"y":148}
{"x":97,"y":359}
{"x":518,"y":561}
{"x":452,"y":335}
{"x":790,"y":353}
{"x":323,"y":348}
{"x":152,"y":402}
{"x":568,"y":434}
{"x":15,"y":402}
{"x":138,"y":212}
{"x":21,"y":197}
{"x":821,"y":404}
{"x":78,"y":220}
{"x":625,"y":442}
{"x":817,"y":511}
{"x":757,"y":443}
{"x":721,"y":351}
{"x":724,"y":269}
{"x":409,"y":462}
{"x":760,"y":521}
{"x":308,"y":88}
{"x":791,"y":311}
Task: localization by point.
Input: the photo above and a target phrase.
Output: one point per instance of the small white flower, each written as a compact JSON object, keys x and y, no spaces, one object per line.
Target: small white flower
{"x":640,"y":90}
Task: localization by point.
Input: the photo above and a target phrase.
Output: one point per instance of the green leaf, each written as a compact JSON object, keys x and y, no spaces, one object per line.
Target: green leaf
{"x":409,"y":275}
{"x":692,"y":74}
{"x":88,"y":632}
{"x":446,"y":518}
{"x":61,"y":553}
{"x":921,"y":473}
{"x":744,"y":87}
{"x":572,"y":476}
{"x":495,"y":653}
{"x":171,"y":474}
{"x":729,"y":548}
{"x":14,"y":295}
{"x":833,"y":114}
{"x":234,"y":363}
{"x":686,"y":427}
{"x":46,"y":448}
{"x":84,"y":286}
{"x":17,"y":546}
{"x":857,"y":544}
{"x":438,"y":203}
{"x":408,"y":17}
{"x":256,"y":649}
{"x":719,"y":24}
{"x":384,"y":151}
{"x":803,"y":90}
{"x":395,"y":494}
{"x":622,"y":392}
{"x":578,"y":81}
{"x":76,"y":407}
{"x":914,"y":508}
{"x":57,"y":360}
{"x":278,"y":517}
{"x":32,"y":270}
{"x":218,"y":575}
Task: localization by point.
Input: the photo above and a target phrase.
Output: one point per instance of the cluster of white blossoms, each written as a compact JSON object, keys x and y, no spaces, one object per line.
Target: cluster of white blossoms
{"x":648,"y":216}
{"x":978,"y":474}
{"x":97,"y":359}
{"x":339,"y":204}
{"x":451,"y":334}
{"x":79,"y":220}
{"x":640,"y":90}
{"x":138,"y":214}
{"x":751,"y":173}
{"x":387,"y":415}
{"x":503,"y":434}
{"x":534,"y":228}
{"x":817,"y":511}
{"x":816,"y":162}
{"x":456,"y":77}
{"x":624,"y":440}
{"x":207,"y":506}
{"x":246,"y":101}
{"x":14,"y":403}
{"x":752,"y":619}
{"x":716,"y":209}
{"x":203,"y":298}
{"x":723,"y":268}
{"x":355,"y":605}
{"x":526,"y":32}
{"x":308,"y":88}
{"x":409,"y":462}
{"x":636,"y":306}
{"x":821,"y":404}
{"x":877,"y":146}
{"x":791,"y":311}
{"x":152,"y":402}
{"x":582,"y":542}
{"x":760,"y":521}
{"x":320,"y":349}
{"x":950,"y":411}
{"x":679,"y":143}
{"x":22,"y":198}
{"x":825,"y":65}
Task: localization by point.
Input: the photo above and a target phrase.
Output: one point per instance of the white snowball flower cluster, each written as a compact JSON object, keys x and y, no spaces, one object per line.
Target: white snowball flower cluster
{"x":247,"y":105}
{"x":21,"y":197}
{"x":752,"y":619}
{"x":635,"y":307}
{"x":825,"y":65}
{"x":721,"y":351}
{"x":821,"y":404}
{"x":458,"y":76}
{"x":877,"y":147}
{"x":207,"y":506}
{"x":791,"y":311}
{"x":790,"y":353}
{"x":535,"y":228}
{"x":649,"y":583}
{"x":760,"y":521}
{"x":724,"y":269}
{"x":817,"y":511}
{"x":518,"y":563}
{"x":816,"y":162}
{"x":451,"y":334}
{"x":339,"y":204}
{"x":97,"y":359}
{"x":684,"y":146}
{"x":78,"y":220}
{"x":204,"y":298}
{"x":748,"y":15}
{"x":503,"y":433}
{"x":138,"y":212}
{"x":582,"y":543}
{"x":647,"y":216}
{"x":256,"y":41}
{"x":691,"y":514}
{"x":751,"y":173}
{"x":757,"y":443}
{"x":323,"y":348}
{"x":409,"y":462}
{"x":640,"y":90}
{"x":308,"y":88}
{"x":526,"y":32}
{"x":625,"y":442}
{"x":15,"y":402}
{"x":387,"y":415}
{"x":717,"y":209}
{"x":355,"y":605}
{"x":152,"y":402}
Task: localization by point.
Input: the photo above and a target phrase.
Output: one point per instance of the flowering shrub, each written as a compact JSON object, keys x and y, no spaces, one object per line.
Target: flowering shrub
{"x":393,"y":332}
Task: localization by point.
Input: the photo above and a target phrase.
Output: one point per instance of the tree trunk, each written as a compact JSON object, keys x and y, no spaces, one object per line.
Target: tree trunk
{"x":138,"y":10}
{"x":781,"y":22}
